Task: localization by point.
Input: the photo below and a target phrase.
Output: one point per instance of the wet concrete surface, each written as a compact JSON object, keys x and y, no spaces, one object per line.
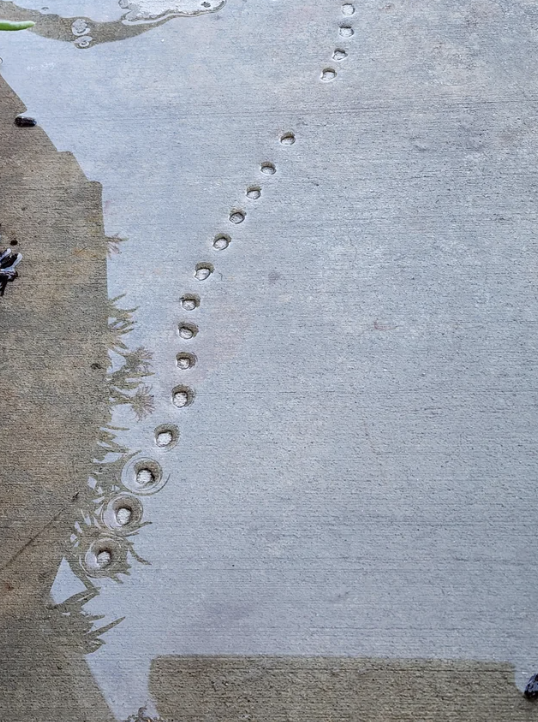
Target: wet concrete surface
{"x":351,"y":371}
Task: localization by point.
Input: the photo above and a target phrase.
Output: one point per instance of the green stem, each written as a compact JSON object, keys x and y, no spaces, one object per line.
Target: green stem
{"x":22,"y":25}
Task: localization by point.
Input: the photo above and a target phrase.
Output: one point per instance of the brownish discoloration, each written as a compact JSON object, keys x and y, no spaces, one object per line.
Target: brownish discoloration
{"x":335,"y":689}
{"x":53,"y":320}
{"x":53,"y":361}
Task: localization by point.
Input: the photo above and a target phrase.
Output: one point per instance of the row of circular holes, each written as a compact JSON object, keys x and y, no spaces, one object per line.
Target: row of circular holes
{"x":182,"y":395}
{"x":339,"y":54}
{"x":166,"y":436}
{"x":147,"y":476}
{"x":147,"y":473}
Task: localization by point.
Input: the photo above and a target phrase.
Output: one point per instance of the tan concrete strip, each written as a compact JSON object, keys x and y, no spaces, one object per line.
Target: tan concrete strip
{"x":53,"y":360}
{"x":331,"y":689}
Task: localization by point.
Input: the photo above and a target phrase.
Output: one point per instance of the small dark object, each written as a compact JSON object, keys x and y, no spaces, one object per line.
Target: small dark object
{"x":531,"y":690}
{"x":24,"y":122}
{"x":8,"y":261}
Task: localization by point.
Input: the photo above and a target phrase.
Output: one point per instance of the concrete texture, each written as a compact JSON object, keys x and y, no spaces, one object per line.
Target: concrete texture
{"x":285,"y":689}
{"x":354,"y":478}
{"x":53,"y":361}
{"x":54,"y":323}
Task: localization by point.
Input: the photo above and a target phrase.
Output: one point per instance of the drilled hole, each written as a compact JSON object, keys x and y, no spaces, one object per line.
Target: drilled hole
{"x":348,"y":9}
{"x":268,"y":168}
{"x":182,"y":396}
{"x":288,"y":139}
{"x":187,"y":330}
{"x":185,"y":360}
{"x":328,"y":74}
{"x":190,"y":303}
{"x":346,"y":31}
{"x":237,"y":217}
{"x":339,"y":55}
{"x":123,"y":513}
{"x":142,"y":476}
{"x":166,"y":436}
{"x":203,"y":271}
{"x":254,"y":192}
{"x":221,"y":242}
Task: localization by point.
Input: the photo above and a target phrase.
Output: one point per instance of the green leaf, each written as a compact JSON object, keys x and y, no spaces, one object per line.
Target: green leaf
{"x":21,"y":25}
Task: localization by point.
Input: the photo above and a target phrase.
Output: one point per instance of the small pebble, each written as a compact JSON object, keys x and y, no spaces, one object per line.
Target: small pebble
{"x":24,"y":122}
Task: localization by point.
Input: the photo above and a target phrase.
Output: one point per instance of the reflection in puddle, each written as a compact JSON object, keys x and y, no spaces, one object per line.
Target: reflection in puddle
{"x":110,"y":512}
{"x":144,"y":10}
{"x":72,"y":624}
{"x":326,"y":505}
{"x":137,"y":17}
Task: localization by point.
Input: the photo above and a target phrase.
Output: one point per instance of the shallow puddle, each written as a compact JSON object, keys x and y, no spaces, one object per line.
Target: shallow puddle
{"x":302,"y":450}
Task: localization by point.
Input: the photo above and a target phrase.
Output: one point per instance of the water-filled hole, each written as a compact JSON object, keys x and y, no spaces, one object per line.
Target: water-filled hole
{"x":187,"y":330}
{"x":190,"y":302}
{"x":328,"y":74}
{"x":288,"y":139}
{"x":221,"y":242}
{"x":185,"y":360}
{"x":166,"y":436}
{"x":182,"y":396}
{"x":254,"y":192}
{"x":203,"y":271}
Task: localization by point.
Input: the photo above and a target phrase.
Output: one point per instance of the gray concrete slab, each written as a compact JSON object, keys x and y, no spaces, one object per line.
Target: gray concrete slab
{"x":354,"y":477}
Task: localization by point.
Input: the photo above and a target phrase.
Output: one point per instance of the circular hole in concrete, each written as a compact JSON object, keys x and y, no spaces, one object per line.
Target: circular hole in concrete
{"x":166,"y":436}
{"x":221,"y":242}
{"x":142,"y":476}
{"x":185,"y":360}
{"x":254,"y":192}
{"x":123,"y":513}
{"x":339,"y":55}
{"x":187,"y":330}
{"x":190,"y":302}
{"x":328,"y":74}
{"x":182,"y":396}
{"x":288,"y":139}
{"x":237,"y":217}
{"x":102,"y":556}
{"x":203,"y":271}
